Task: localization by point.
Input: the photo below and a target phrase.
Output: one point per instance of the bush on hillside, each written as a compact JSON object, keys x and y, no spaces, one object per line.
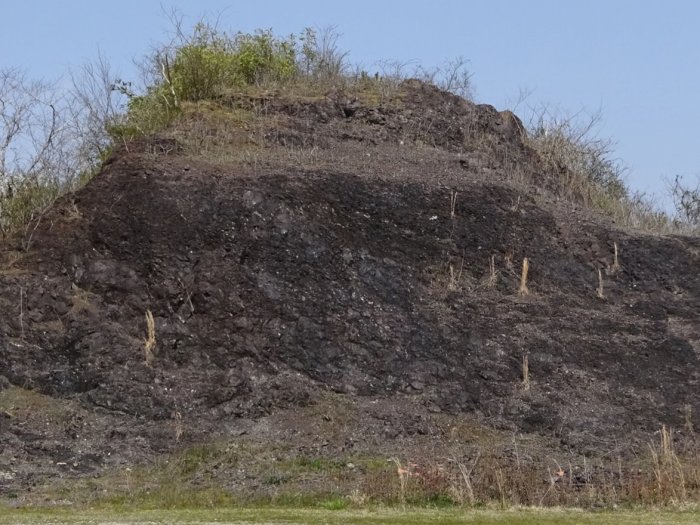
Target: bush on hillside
{"x":145,"y":114}
{"x":571,"y":148}
{"x":212,"y":61}
{"x":587,"y":172}
{"x":208,"y":63}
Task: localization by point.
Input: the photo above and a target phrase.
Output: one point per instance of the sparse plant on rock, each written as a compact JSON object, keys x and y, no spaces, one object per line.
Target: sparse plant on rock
{"x":600,"y":291}
{"x":616,"y":261}
{"x":526,"y":373}
{"x":149,"y":344}
{"x":523,"y":289}
{"x":492,"y":278}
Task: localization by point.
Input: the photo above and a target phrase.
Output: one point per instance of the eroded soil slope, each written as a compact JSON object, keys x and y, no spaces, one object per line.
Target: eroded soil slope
{"x":350,"y":253}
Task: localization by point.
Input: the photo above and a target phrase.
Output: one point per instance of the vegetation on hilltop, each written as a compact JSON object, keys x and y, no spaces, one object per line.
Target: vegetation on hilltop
{"x":52,"y":142}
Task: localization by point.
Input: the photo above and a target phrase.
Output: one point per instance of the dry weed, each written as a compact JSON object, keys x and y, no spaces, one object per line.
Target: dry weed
{"x":600,"y":291}
{"x":687,"y":416}
{"x":179,"y":426}
{"x":668,"y":470}
{"x":616,"y":262}
{"x":466,"y":478}
{"x":403,"y":474}
{"x":523,"y":290}
{"x":526,"y":373}
{"x":453,"y":204}
{"x":149,"y":343}
{"x":508,"y":261}
{"x":492,"y":279}
{"x":454,"y":276}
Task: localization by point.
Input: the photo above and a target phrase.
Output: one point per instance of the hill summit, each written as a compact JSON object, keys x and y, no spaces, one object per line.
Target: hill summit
{"x":340,"y":275}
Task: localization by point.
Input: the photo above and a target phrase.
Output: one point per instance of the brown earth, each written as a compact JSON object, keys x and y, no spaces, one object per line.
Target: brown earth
{"x":321,"y":266}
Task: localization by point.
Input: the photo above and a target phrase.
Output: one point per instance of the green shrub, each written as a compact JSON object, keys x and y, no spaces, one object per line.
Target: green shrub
{"x":212,"y":61}
{"x":145,"y":114}
{"x":202,"y":66}
{"x":263,"y":58}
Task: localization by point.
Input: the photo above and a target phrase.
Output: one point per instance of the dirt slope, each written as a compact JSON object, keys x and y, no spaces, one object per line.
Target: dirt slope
{"x":333,"y":261}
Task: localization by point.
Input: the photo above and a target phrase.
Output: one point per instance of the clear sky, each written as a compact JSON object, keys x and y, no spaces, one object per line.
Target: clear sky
{"x":637,"y":61}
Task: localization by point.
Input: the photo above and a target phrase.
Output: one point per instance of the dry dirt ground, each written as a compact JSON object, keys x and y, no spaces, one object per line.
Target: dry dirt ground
{"x":326,"y":286}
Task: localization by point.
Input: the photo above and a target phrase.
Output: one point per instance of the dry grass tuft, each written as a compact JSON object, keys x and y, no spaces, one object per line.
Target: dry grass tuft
{"x":688,"y":419}
{"x":516,"y":205}
{"x":83,"y":302}
{"x":179,"y":426}
{"x":492,"y":279}
{"x":526,"y":373}
{"x":616,"y":262}
{"x":21,"y":311}
{"x":508,"y":261}
{"x":669,"y":472}
{"x":466,"y":493}
{"x":523,"y":290}
{"x":149,"y":343}
{"x":453,"y":204}
{"x":600,"y":291}
{"x":454,"y":276}
{"x":403,"y":474}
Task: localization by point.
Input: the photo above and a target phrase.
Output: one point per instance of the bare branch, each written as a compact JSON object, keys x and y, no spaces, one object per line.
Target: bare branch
{"x":686,"y":200}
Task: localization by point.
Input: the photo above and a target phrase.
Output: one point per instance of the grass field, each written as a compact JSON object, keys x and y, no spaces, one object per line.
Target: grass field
{"x":384,"y":516}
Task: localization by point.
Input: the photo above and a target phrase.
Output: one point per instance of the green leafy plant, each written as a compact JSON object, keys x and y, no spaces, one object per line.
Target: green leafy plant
{"x":211,"y":61}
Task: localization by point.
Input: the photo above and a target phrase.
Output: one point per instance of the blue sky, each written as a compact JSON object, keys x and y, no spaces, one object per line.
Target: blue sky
{"x":636,"y":61}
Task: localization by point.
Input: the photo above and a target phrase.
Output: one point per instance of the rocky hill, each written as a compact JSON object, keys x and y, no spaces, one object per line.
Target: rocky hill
{"x":341,"y":276}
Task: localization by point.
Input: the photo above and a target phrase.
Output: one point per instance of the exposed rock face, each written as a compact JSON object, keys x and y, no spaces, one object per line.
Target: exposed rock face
{"x":338,"y":263}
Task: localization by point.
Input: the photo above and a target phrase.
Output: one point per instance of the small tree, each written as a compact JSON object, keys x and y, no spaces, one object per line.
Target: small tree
{"x":97,"y":102}
{"x":320,"y":56}
{"x":37,"y":149}
{"x":452,"y":75}
{"x":202,"y":65}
